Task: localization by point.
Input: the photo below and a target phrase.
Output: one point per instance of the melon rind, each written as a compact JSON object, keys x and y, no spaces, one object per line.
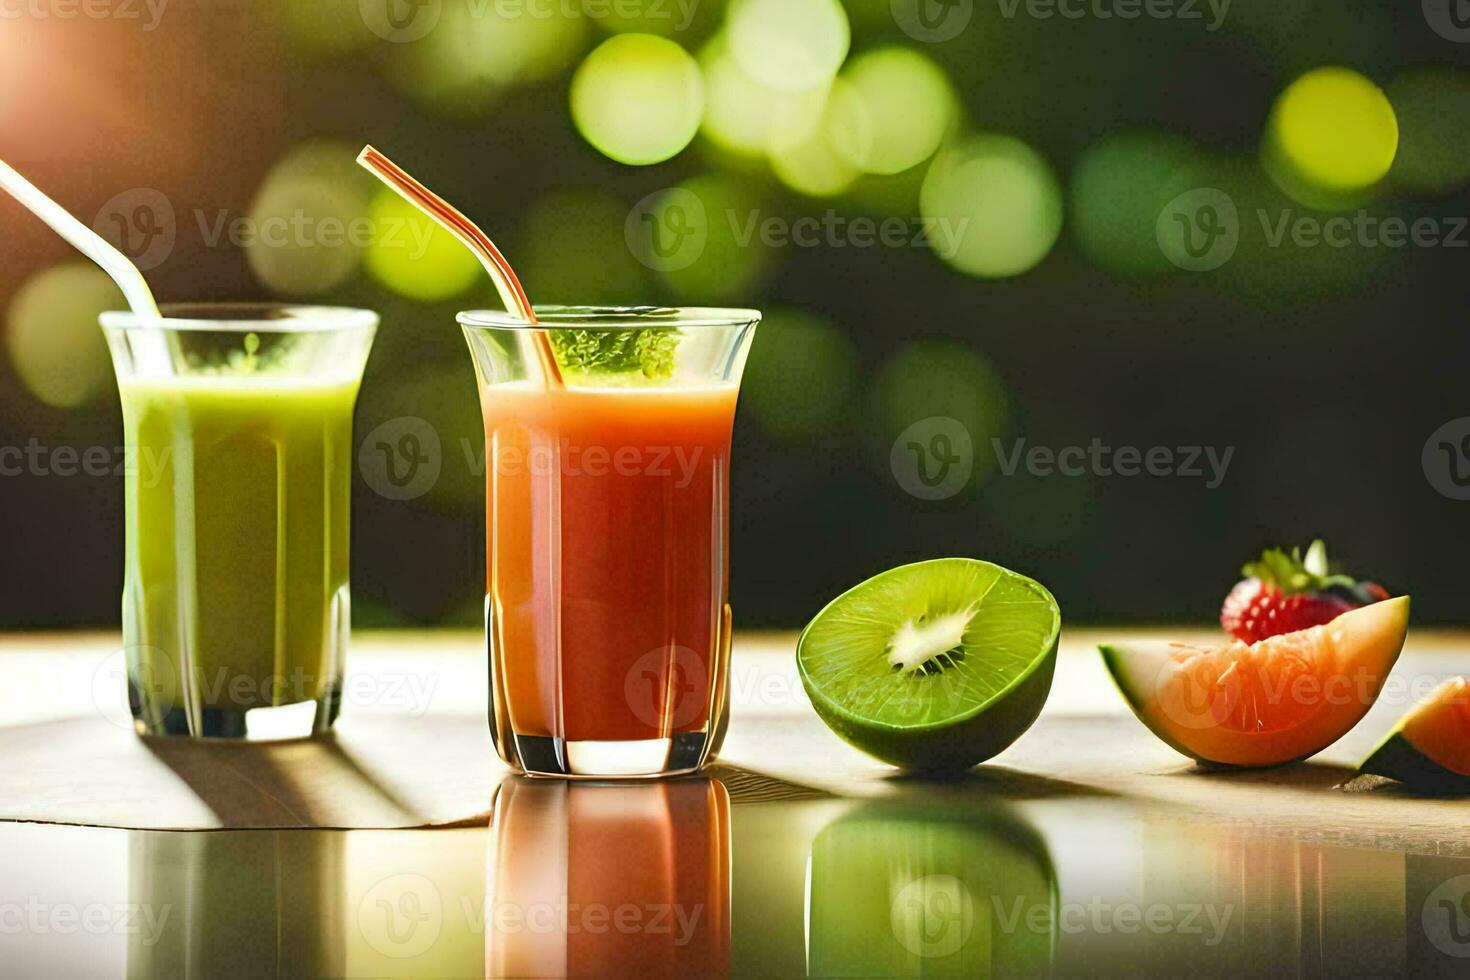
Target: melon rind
{"x":1429,"y":749}
{"x":1398,"y":759}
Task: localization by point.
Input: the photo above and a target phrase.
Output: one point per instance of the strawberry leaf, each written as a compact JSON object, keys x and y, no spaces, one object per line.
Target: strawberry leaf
{"x":1296,"y":573}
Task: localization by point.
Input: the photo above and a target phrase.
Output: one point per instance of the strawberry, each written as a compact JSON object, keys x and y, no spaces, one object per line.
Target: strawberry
{"x":1282,"y":593}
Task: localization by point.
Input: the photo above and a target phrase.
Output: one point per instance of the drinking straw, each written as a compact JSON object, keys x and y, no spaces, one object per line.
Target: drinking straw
{"x":452,"y":220}
{"x":134,"y":287}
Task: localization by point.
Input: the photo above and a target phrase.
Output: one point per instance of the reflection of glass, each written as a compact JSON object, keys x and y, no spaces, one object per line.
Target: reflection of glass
{"x":238,"y":426}
{"x":258,"y":903}
{"x":608,"y":532}
{"x":1254,"y":905}
{"x":609,"y":880}
{"x":904,"y":890}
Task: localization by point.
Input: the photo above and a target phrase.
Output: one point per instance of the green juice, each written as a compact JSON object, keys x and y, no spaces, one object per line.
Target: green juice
{"x":236,"y":593}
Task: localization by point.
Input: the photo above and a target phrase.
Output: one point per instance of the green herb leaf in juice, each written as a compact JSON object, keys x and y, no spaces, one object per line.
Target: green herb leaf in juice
{"x":247,"y":359}
{"x":646,"y":350}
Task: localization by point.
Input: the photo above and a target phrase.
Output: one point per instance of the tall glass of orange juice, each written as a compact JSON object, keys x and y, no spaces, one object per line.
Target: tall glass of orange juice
{"x":607,"y":519}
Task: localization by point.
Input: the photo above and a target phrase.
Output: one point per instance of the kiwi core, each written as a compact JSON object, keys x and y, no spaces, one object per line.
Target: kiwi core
{"x":920,"y":642}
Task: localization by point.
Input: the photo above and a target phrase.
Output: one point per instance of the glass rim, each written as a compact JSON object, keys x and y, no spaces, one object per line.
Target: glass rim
{"x":559,"y":317}
{"x":245,"y":318}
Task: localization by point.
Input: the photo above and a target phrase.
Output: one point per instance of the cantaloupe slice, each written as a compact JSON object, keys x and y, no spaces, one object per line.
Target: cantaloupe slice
{"x":1267,"y":703}
{"x":1430,"y":747}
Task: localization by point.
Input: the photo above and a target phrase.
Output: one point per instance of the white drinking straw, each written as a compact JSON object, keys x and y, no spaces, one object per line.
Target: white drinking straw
{"x":134,"y":288}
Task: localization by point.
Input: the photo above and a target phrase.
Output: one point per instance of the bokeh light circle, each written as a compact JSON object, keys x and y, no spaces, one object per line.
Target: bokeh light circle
{"x":572,"y":251}
{"x":790,"y":45}
{"x":805,"y":158}
{"x":997,"y":203}
{"x":413,"y":256}
{"x":939,"y":380}
{"x":746,"y":117}
{"x":802,"y":376}
{"x":1333,"y":131}
{"x":897,"y":108}
{"x":478,"y":50}
{"x":53,"y":337}
{"x":638,"y":98}
{"x":304,"y":233}
{"x":301,"y":235}
{"x":1118,"y":189}
{"x":708,"y":225}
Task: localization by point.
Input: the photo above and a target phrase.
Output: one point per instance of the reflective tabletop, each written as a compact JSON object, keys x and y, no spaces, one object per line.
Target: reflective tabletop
{"x":1085,"y":850}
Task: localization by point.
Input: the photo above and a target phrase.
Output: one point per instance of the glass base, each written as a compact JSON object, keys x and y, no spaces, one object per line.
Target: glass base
{"x":267,"y":724}
{"x":653,"y":758}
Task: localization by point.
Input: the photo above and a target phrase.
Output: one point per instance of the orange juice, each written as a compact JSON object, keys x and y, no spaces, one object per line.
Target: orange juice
{"x":608,"y":531}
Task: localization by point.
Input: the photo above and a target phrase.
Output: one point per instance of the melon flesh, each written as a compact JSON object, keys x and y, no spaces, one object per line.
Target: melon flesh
{"x":1430,"y":747}
{"x":1266,"y":703}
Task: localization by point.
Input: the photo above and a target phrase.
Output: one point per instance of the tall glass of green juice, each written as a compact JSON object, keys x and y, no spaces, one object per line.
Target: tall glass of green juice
{"x":238,"y":428}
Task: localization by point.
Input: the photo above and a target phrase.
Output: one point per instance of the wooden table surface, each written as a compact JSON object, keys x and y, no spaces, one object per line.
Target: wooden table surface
{"x":1270,"y":873}
{"x":1085,"y":743}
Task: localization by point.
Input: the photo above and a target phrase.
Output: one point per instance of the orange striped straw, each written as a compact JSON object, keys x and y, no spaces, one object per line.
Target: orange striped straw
{"x":507,"y":284}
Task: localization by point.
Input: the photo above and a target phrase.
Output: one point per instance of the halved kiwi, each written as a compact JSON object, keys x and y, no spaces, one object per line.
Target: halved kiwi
{"x":937,"y":665}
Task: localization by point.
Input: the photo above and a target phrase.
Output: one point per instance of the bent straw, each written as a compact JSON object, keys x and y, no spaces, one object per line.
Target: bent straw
{"x":453,"y":221}
{"x":134,"y":287}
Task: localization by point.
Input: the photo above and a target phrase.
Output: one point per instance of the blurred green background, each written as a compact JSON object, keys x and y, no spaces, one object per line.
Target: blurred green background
{"x":787,"y":155}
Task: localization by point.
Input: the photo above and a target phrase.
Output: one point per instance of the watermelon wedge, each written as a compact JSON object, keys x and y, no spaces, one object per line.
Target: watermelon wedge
{"x":1430,"y":747}
{"x":1266,"y":703}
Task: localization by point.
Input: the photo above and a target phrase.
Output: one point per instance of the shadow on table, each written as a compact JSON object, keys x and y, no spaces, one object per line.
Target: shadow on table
{"x":371,"y":774}
{"x":1300,"y":775}
{"x":297,"y":777}
{"x":749,"y":786}
{"x":1012,"y":784}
